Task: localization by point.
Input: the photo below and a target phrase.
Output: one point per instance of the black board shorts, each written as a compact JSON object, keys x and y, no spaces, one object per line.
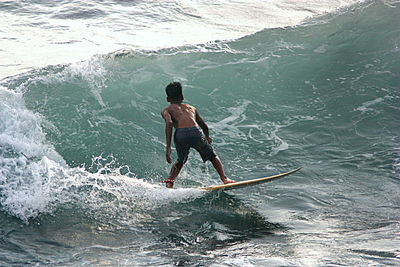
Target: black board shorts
{"x":192,"y":137}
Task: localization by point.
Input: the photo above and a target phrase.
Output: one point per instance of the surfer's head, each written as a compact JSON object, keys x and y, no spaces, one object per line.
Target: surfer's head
{"x":174,"y":92}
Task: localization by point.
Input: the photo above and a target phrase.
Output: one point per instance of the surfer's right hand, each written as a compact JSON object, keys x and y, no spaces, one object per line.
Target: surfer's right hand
{"x":168,"y":155}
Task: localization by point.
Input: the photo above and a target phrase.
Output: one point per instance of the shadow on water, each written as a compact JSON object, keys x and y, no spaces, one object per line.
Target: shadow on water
{"x":182,"y":233}
{"x":214,"y":222}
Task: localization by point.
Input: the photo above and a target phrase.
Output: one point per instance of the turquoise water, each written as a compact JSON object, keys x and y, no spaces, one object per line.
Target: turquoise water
{"x":82,"y":152}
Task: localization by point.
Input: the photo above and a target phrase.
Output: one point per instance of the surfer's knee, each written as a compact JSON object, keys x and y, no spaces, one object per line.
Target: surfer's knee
{"x":179,"y":164}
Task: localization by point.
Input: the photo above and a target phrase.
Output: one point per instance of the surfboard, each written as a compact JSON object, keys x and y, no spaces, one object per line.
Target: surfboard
{"x":248,"y":182}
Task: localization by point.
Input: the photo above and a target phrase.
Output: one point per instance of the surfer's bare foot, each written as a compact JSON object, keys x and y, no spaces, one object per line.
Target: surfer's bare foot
{"x":169,"y":183}
{"x":226,"y":180}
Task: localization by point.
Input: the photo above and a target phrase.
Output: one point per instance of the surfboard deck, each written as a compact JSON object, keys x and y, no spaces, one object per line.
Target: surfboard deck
{"x":248,"y":182}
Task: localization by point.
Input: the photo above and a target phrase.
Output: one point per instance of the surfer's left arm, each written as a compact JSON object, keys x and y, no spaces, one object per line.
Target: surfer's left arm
{"x":168,"y":133}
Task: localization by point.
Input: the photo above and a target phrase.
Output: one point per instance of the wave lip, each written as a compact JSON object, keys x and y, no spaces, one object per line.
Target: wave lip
{"x":69,"y":32}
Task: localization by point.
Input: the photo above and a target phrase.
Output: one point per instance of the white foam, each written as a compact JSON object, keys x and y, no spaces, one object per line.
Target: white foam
{"x":229,"y":126}
{"x":280,"y":144}
{"x":366,"y":106}
{"x":27,"y":162}
{"x":256,"y":261}
{"x":20,"y":128}
{"x":321,"y":49}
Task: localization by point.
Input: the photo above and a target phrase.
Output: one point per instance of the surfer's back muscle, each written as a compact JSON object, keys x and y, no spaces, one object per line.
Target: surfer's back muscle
{"x":182,"y":115}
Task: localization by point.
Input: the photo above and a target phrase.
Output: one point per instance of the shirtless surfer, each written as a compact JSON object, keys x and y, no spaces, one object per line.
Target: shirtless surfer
{"x":187,"y":123}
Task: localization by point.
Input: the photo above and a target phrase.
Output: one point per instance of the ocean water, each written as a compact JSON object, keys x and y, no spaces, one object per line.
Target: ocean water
{"x":283,"y":84}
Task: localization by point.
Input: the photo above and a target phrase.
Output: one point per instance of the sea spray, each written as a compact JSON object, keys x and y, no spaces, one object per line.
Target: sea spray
{"x":35,"y":179}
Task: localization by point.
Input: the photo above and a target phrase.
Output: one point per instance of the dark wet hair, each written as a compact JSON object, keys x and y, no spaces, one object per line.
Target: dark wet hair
{"x":174,"y":91}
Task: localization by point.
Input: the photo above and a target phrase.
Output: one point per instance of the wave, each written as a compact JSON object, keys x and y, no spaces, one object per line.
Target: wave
{"x":89,"y":134}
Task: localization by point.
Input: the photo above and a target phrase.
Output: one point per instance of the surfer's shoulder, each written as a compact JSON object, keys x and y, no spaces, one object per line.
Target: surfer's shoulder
{"x":165,"y":111}
{"x":190,"y":107}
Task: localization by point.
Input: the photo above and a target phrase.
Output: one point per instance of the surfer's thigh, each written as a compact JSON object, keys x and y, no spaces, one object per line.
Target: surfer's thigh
{"x":205,"y":149}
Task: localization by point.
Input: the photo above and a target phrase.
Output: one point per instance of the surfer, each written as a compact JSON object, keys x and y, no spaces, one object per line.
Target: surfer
{"x":190,"y":132}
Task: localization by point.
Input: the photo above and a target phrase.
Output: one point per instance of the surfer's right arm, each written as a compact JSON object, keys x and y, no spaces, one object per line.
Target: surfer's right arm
{"x":168,"y":133}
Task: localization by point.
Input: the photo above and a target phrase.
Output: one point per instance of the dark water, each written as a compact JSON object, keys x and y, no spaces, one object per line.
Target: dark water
{"x":82,"y":151}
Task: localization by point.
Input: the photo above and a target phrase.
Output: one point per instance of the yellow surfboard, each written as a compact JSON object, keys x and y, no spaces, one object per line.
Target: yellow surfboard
{"x":248,"y":182}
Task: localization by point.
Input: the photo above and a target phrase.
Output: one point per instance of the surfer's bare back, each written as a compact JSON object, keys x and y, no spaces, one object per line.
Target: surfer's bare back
{"x":190,"y":132}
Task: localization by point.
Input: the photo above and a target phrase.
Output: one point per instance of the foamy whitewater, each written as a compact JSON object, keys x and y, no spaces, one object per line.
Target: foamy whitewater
{"x":281,"y":84}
